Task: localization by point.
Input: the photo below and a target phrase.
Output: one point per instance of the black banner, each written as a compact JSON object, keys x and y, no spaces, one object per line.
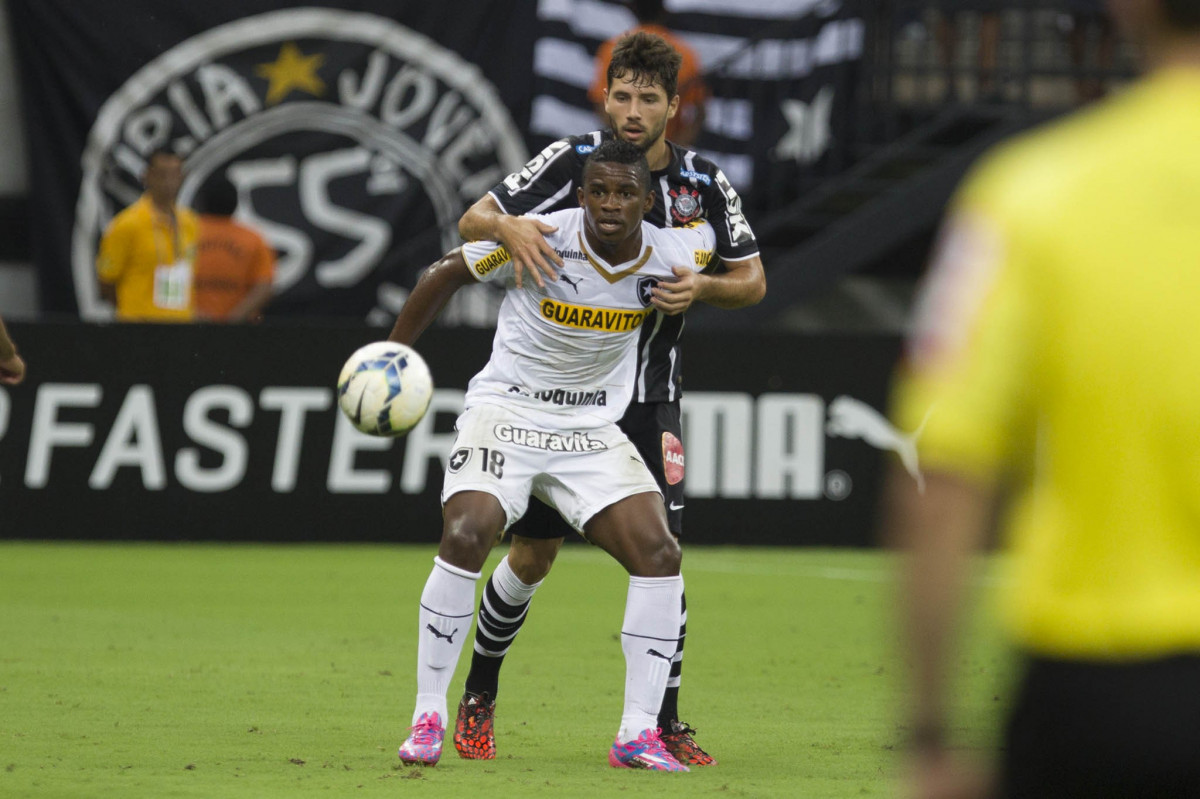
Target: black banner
{"x":355,"y":132}
{"x":232,"y":433}
{"x":781,"y":75}
{"x":358,"y":132}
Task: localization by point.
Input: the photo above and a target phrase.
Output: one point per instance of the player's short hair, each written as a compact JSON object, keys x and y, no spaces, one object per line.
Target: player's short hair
{"x":619,"y":151}
{"x":1182,"y":15}
{"x":161,"y":152}
{"x":647,"y":60}
{"x":217,"y":196}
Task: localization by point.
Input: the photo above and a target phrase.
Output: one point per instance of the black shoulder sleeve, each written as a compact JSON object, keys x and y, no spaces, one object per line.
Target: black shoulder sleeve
{"x":735,"y":239}
{"x":547,"y":183}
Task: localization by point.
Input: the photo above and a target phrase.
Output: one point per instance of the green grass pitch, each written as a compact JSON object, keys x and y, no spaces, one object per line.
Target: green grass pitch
{"x":287,"y":671}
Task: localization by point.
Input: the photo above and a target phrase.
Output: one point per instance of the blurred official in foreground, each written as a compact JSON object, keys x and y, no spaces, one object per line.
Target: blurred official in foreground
{"x":1056,"y":347}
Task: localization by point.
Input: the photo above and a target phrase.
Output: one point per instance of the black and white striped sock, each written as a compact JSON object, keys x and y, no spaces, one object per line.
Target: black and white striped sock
{"x":502,"y":610}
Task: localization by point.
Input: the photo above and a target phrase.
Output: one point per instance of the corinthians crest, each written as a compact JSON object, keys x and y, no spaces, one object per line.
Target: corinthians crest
{"x":354,"y":143}
{"x":685,"y":204}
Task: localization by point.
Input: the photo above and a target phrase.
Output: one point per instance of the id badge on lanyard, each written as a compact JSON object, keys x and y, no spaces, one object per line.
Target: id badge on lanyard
{"x":173,"y":285}
{"x":172,"y":281}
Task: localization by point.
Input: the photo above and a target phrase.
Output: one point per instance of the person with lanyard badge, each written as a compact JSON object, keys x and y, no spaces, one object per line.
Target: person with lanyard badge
{"x":146,"y":253}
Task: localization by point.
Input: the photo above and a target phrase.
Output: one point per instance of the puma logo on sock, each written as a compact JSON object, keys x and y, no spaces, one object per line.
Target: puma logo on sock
{"x":449,"y":638}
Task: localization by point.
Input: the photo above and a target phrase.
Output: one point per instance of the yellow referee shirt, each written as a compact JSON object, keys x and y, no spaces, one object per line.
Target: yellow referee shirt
{"x":1058,"y":339}
{"x":150,"y":262}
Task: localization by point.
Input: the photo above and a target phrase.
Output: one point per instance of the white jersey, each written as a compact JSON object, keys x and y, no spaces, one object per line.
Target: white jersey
{"x":572,"y":346}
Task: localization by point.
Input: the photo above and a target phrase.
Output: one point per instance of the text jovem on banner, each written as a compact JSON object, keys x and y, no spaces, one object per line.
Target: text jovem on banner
{"x":356,"y":133}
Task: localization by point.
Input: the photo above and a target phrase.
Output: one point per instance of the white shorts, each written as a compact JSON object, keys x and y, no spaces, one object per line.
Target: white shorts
{"x":580,"y":468}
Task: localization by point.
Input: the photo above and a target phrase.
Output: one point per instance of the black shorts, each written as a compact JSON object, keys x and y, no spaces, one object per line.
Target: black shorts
{"x":656,"y":429}
{"x":1105,"y":730}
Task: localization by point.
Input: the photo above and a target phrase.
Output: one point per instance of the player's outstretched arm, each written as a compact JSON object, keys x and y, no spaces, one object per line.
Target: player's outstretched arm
{"x":742,"y":284}
{"x":523,"y":237}
{"x":12,"y":368}
{"x":434,"y":289}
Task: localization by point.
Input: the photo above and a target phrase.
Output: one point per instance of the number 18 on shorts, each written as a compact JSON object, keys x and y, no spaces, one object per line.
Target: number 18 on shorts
{"x":578,"y":464}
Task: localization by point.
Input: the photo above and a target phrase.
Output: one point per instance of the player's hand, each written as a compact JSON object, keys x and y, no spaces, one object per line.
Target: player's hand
{"x":12,"y":370}
{"x":676,"y":296}
{"x":525,"y":240}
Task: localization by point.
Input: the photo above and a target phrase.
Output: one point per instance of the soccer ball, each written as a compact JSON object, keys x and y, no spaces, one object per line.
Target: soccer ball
{"x":384,"y":389}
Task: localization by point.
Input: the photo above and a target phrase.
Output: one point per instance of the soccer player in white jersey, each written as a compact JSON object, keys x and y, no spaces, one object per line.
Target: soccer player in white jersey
{"x":641,"y":97}
{"x":540,"y":420}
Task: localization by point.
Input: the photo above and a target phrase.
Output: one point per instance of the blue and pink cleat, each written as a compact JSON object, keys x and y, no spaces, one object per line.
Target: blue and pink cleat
{"x":645,"y":751}
{"x":424,"y":744}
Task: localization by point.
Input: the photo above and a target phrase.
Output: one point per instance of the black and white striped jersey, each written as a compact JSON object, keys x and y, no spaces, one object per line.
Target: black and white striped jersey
{"x":691,"y":187}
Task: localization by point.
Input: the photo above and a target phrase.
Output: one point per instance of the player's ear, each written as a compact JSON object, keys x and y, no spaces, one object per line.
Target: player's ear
{"x":673,"y":107}
{"x":649,"y":203}
{"x":579,"y":195}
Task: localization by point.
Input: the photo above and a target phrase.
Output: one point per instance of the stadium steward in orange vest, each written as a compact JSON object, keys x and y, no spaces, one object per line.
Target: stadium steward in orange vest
{"x":234,"y":264}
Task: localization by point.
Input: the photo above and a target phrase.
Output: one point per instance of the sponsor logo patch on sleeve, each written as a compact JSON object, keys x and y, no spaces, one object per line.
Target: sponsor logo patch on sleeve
{"x":672,"y":452}
{"x":488,"y":264}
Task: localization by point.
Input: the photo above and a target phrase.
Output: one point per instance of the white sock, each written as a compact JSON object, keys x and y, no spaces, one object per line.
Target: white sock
{"x":447,"y":604}
{"x":676,"y":677}
{"x":649,"y":637}
{"x":509,"y":585}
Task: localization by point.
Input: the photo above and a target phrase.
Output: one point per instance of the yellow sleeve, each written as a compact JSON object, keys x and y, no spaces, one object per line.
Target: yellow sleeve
{"x":116,"y":247}
{"x":703,"y":244}
{"x":969,"y":372}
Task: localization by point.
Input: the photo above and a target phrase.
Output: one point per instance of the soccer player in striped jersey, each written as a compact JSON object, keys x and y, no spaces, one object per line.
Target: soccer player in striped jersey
{"x":641,"y":97}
